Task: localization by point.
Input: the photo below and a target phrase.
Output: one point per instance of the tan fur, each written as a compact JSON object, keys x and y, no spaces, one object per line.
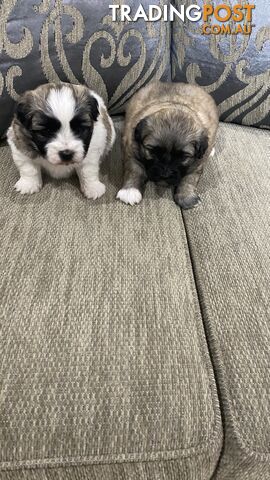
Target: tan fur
{"x":188,"y":105}
{"x":161,"y":97}
{"x":108,"y":126}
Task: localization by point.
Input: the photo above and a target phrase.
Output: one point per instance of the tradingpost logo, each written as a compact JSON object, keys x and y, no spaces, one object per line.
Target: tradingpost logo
{"x":216,"y":19}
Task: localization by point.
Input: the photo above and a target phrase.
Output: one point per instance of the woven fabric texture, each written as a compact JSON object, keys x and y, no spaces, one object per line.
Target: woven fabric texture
{"x":103,"y":351}
{"x":77,"y":42}
{"x":185,"y":468}
{"x":229,"y":238}
{"x":234,"y":69}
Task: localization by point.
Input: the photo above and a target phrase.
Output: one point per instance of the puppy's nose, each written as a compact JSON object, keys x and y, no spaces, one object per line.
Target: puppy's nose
{"x":66,"y":155}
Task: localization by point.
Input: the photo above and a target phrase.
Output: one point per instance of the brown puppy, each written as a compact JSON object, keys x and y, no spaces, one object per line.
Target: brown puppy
{"x":169,"y":133}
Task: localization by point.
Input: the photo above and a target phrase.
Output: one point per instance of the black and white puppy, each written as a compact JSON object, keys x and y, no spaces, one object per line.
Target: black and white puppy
{"x":62,"y":129}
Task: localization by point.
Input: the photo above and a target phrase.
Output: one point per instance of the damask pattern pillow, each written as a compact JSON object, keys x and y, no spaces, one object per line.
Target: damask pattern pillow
{"x":76,"y":41}
{"x":235,"y":69}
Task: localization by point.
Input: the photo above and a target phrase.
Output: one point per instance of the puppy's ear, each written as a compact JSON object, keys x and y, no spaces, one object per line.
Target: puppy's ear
{"x":93,"y":107}
{"x":139,"y":130}
{"x":23,"y":111}
{"x":201,"y":146}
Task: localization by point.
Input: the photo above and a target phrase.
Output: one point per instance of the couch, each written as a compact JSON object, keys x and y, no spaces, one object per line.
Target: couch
{"x":135,"y":340}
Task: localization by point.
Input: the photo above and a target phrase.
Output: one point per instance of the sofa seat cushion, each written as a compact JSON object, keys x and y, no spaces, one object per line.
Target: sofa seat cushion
{"x":104,"y":361}
{"x":229,"y":238}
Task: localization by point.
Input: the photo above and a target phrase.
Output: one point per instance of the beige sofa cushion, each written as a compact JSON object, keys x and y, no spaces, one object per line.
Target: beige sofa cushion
{"x":229,"y":238}
{"x":105,"y":370}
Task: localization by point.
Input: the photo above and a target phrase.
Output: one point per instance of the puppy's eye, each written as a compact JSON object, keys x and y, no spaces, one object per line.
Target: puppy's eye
{"x":187,"y":159}
{"x":184,"y":156}
{"x":47,"y":127}
{"x":79,"y":125}
{"x":85,"y":126}
{"x":45,"y":130}
{"x":155,"y":150}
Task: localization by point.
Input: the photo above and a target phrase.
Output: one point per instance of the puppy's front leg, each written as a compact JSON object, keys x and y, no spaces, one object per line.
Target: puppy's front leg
{"x":88,"y":174}
{"x":186,"y":195}
{"x":30,"y":174}
{"x":134,"y":181}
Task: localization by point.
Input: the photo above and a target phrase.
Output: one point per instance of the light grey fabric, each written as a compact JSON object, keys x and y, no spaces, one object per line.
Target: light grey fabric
{"x":104,"y":362}
{"x":229,"y":238}
{"x":184,"y":468}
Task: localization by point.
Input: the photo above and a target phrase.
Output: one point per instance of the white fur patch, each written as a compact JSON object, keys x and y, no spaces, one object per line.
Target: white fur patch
{"x":62,"y":104}
{"x":30,"y":181}
{"x":97,"y":145}
{"x":130,"y":196}
{"x":94,"y":190}
{"x":56,"y":171}
{"x":28,"y":186}
{"x":102,"y":104}
{"x":212,"y":154}
{"x":88,"y":171}
{"x":98,"y":98}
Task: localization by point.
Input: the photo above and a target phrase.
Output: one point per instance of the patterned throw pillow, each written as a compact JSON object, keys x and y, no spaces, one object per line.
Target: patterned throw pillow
{"x":235,"y":69}
{"x":76,"y":41}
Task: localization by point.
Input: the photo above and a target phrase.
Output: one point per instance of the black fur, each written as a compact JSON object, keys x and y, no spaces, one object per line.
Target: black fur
{"x":93,"y":107}
{"x":39,"y":127}
{"x":23,"y":112}
{"x":43,"y":130}
{"x":82,"y":128}
{"x":139,"y":130}
{"x":201,"y":146}
{"x":82,"y":124}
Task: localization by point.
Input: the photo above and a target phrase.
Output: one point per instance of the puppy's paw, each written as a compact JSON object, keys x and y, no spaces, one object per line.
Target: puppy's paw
{"x":94,"y":190}
{"x":130,"y":196}
{"x":191,"y":201}
{"x":28,"y":186}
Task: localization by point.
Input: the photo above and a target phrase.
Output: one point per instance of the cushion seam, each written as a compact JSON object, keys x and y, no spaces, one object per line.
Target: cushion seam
{"x":216,"y":361}
{"x":132,"y":458}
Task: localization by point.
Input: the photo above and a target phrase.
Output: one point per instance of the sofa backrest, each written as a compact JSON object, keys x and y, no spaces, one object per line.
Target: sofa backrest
{"x":77,"y":41}
{"x":233,"y":68}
